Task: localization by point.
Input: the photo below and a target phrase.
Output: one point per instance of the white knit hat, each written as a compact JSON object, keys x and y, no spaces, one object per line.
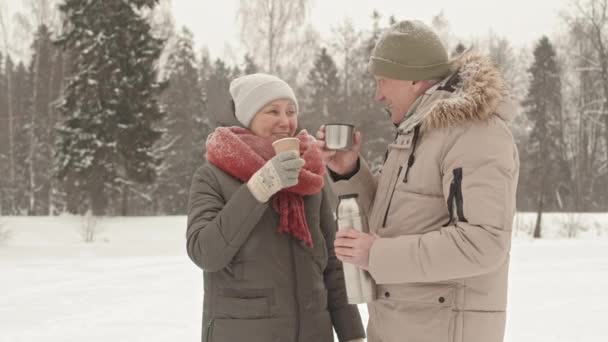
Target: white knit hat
{"x":252,"y":92}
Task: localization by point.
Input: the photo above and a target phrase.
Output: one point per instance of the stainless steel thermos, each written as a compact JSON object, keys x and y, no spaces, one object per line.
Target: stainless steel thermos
{"x":360,"y":287}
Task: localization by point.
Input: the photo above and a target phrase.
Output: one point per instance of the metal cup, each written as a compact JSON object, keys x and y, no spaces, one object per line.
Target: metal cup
{"x":339,"y":136}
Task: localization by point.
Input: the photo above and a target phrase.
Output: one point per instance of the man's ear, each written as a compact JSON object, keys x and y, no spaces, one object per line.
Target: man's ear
{"x":418,"y":86}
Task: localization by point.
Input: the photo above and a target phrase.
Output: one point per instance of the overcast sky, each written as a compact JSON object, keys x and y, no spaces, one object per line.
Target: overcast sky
{"x":213,"y":22}
{"x":521,"y":21}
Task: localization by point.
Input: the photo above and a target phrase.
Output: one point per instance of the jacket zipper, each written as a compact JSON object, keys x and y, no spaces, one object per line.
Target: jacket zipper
{"x":410,"y":162}
{"x":295,"y":286}
{"x":412,"y":158}
{"x":386,"y":153}
{"x":455,"y":198}
{"x":450,"y":202}
{"x":459,"y":197}
{"x":390,"y":199}
{"x":209,"y":329}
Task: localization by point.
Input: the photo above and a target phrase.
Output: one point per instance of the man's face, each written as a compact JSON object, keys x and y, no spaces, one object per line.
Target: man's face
{"x":396,"y":95}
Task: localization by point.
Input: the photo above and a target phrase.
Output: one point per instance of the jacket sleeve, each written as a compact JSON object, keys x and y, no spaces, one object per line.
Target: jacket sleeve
{"x":345,"y":317}
{"x":363,"y":183}
{"x":217,"y":228}
{"x":480,"y":241}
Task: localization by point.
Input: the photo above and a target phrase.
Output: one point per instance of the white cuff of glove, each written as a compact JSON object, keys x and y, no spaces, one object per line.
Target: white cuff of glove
{"x":264,"y":183}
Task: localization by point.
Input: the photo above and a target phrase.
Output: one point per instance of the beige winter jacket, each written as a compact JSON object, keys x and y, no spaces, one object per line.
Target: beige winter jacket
{"x":441,"y":263}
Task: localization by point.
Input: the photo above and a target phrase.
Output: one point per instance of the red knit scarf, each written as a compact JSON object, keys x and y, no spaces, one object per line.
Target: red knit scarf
{"x":240,"y":153}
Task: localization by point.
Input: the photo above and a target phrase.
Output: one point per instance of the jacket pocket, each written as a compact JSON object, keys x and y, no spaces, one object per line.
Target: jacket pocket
{"x":455,"y":201}
{"x":243,"y":303}
{"x":251,"y":330}
{"x":423,"y":312}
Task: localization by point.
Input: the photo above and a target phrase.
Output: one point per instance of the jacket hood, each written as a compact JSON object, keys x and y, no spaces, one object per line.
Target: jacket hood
{"x":475,"y":91}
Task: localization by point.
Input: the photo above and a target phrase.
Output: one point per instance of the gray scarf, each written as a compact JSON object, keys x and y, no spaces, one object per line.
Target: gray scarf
{"x":414,"y":116}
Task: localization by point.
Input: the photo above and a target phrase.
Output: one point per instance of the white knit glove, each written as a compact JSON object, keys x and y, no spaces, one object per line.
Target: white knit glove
{"x":280,"y":172}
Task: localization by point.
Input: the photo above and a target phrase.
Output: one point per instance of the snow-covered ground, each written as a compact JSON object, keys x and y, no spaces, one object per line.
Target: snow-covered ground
{"x":135,"y":282}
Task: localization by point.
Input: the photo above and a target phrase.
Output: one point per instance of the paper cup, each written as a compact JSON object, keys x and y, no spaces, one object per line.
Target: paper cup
{"x":286,"y":144}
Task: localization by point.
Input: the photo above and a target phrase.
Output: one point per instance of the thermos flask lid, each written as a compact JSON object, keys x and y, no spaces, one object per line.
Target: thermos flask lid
{"x":348,"y":196}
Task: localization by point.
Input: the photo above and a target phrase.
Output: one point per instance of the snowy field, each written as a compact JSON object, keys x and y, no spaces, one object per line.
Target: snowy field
{"x":136,"y":283}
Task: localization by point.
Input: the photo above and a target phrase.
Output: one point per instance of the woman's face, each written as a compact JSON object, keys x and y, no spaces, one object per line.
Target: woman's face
{"x":277,"y":119}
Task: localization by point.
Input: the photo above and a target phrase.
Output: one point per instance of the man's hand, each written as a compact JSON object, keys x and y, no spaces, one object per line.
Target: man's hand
{"x":353,"y":246}
{"x":340,"y":162}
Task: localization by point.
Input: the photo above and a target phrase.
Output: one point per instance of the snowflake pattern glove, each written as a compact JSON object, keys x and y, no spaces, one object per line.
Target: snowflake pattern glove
{"x":280,"y":172}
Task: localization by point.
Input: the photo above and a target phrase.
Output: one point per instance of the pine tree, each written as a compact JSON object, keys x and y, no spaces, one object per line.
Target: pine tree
{"x":543,"y":108}
{"x":217,"y":94}
{"x":458,"y":50}
{"x":323,"y":103}
{"x":204,"y":72}
{"x":186,"y":124}
{"x":20,"y":101}
{"x":9,"y":187}
{"x":39,"y":120}
{"x":250,"y":66}
{"x":4,"y":141}
{"x":110,"y":108}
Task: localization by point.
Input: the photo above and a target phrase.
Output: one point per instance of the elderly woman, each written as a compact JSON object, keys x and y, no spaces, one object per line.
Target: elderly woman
{"x":261,"y":228}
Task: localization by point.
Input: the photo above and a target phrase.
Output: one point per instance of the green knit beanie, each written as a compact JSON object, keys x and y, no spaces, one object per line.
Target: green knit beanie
{"x":409,"y":50}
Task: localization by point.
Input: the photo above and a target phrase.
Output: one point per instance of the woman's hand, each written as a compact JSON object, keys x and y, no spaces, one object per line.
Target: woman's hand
{"x":282,"y":171}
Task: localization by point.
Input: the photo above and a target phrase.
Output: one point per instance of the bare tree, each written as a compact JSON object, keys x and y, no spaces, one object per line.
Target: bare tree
{"x":162,"y":25}
{"x":583,"y":113}
{"x":441,"y":26}
{"x":346,"y":42}
{"x":302,"y":47}
{"x":511,"y":64}
{"x":161,"y":19}
{"x":89,"y":229}
{"x":42,"y":18}
{"x":594,"y":15}
{"x":5,"y":234}
{"x":40,"y":12}
{"x":266,"y":26}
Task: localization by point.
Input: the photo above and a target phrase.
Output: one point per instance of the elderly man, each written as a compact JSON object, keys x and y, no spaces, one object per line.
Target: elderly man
{"x":441,"y":210}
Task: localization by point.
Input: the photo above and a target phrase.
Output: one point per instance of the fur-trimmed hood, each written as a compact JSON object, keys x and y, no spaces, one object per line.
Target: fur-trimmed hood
{"x":475,"y":91}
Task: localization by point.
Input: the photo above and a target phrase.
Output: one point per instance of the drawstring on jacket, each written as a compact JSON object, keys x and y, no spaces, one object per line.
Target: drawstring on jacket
{"x":412,"y":158}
